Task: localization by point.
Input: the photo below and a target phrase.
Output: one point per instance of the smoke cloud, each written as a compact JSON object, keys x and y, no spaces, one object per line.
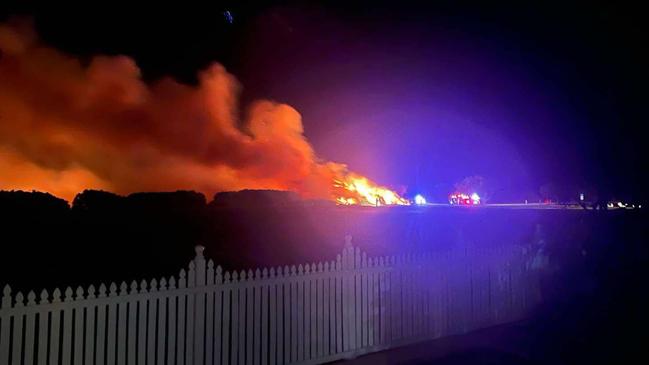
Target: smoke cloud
{"x":66,"y":125}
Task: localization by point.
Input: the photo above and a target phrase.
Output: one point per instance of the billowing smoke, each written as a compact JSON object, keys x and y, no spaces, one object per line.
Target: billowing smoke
{"x":66,"y":125}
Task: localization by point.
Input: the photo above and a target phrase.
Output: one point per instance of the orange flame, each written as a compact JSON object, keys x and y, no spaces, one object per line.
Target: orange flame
{"x":355,"y":189}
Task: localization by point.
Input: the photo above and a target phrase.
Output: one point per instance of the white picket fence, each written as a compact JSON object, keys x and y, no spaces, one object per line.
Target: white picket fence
{"x":309,"y":314}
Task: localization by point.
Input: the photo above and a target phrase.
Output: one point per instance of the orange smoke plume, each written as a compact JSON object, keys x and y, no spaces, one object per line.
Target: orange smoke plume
{"x":66,"y":126}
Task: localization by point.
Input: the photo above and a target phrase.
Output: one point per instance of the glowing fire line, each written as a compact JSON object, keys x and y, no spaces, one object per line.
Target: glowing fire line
{"x":358,"y":190}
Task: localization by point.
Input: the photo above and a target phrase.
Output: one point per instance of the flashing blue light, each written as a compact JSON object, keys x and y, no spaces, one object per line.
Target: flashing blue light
{"x":420,"y":200}
{"x":228,"y":16}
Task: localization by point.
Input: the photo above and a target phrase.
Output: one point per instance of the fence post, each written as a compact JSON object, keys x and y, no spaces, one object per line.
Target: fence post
{"x":4,"y":330}
{"x":199,"y":306}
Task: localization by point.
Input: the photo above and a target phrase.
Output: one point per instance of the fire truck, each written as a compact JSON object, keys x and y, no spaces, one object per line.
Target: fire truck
{"x":464,"y":199}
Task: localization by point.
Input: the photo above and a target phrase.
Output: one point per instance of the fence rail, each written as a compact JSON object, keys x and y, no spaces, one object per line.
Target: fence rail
{"x":305,"y":314}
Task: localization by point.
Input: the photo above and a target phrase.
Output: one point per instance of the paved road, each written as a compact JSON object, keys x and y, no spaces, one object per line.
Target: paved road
{"x":507,"y":344}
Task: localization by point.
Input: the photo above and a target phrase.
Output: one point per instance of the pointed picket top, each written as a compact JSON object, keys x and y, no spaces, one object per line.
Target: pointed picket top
{"x":307,"y":268}
{"x":143,"y":286}
{"x":264,"y":273}
{"x":19,"y":300}
{"x":258,"y":273}
{"x":210,"y":269}
{"x":68,"y":294}
{"x":172,"y":283}
{"x":348,"y":241}
{"x":326,"y":266}
{"x":182,"y":279}
{"x":357,"y":257}
{"x":79,"y":294}
{"x":134,"y":287}
{"x":112,"y":290}
{"x":56,"y":296}
{"x":191,"y":274}
{"x":102,"y":291}
{"x":199,"y":250}
{"x":287,"y":271}
{"x":250,"y":277}
{"x":91,"y":292}
{"x":122,"y":288}
{"x":44,"y":299}
{"x":31,"y":298}
{"x":242,"y":275}
{"x":219,"y":275}
{"x":226,"y":277}
{"x":313,"y":267}
{"x":154,"y":285}
{"x":163,"y":284}
{"x":6,"y":297}
{"x":235,"y":276}
{"x":272,"y":272}
{"x":293,"y":270}
{"x":369,"y":263}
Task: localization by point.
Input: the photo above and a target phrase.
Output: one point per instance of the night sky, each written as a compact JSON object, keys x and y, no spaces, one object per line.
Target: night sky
{"x":414,"y":97}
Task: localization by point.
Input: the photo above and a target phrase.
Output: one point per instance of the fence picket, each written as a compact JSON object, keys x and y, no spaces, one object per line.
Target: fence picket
{"x":295,"y":308}
{"x":43,"y":319}
{"x":364,"y":301}
{"x":257,"y":336}
{"x":121,"y":326}
{"x":16,"y":355}
{"x":263,"y":335}
{"x":112,"y":328}
{"x":162,"y":323}
{"x":340,"y":326}
{"x":241,"y":328}
{"x":151,"y":322}
{"x":285,"y":353}
{"x":132,"y":329}
{"x":328,"y":325}
{"x":66,"y":350}
{"x":180,"y":328}
{"x":171,"y":322}
{"x":140,"y":307}
{"x":189,"y":313}
{"x":30,"y":328}
{"x":319,"y":295}
{"x":227,"y":298}
{"x":275,"y":318}
{"x":209,"y":314}
{"x":198,"y":308}
{"x":5,"y":325}
{"x":250,"y":314}
{"x":218,"y":313}
{"x":235,"y":321}
{"x":89,"y":344}
{"x":78,"y":332}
